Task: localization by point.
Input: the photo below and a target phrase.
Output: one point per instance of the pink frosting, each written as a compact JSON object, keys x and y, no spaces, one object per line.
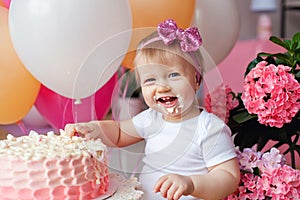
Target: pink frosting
{"x":71,"y":178}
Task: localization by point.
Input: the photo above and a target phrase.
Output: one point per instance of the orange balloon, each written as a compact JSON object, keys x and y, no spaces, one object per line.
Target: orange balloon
{"x":2,"y":3}
{"x":149,"y":13}
{"x":18,"y":88}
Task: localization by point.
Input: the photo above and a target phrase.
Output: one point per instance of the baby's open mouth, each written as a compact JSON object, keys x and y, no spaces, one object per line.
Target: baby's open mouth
{"x":167,"y":101}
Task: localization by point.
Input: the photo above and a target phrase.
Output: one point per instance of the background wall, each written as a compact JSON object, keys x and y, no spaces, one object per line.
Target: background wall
{"x":249,"y":20}
{"x":246,"y":48}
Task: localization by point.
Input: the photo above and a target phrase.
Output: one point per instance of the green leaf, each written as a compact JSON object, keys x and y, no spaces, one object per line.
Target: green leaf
{"x":297,"y":58}
{"x":294,"y":46}
{"x":296,"y":37}
{"x":265,"y":54}
{"x":270,"y":60}
{"x":282,"y":56}
{"x":253,"y":64}
{"x":242,"y":117}
{"x":278,"y":41}
{"x":297,"y":50}
{"x":288,"y":44}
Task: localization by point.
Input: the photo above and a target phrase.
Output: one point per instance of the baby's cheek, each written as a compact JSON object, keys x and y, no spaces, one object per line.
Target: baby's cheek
{"x":149,"y":102}
{"x":149,"y":99}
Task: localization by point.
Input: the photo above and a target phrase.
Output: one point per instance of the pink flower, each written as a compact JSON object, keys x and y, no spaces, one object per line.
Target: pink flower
{"x":221,"y":101}
{"x":248,"y":159}
{"x":276,"y":180}
{"x":282,"y":182}
{"x":272,"y":93}
{"x":271,"y":160}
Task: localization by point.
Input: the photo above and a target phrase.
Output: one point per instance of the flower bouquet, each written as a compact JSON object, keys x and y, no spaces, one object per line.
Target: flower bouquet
{"x":267,"y":109}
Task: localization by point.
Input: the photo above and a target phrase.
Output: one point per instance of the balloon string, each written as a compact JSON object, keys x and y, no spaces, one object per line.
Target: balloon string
{"x":137,"y":165}
{"x":22,"y":126}
{"x":122,"y":94}
{"x":117,"y":118}
{"x":112,"y":148}
{"x":64,"y":113}
{"x":125,"y":88}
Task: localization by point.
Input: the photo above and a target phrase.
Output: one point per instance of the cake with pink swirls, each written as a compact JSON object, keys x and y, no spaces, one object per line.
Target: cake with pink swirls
{"x":52,"y":167}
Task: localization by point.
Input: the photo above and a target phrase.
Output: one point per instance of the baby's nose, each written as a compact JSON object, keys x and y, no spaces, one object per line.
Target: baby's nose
{"x":163,"y":86}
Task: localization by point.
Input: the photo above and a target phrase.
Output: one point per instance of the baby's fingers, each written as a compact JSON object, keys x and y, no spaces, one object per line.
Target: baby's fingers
{"x":83,"y":128}
{"x":70,"y":129}
{"x":80,"y":129}
{"x":159,"y":183}
{"x":164,"y":186}
{"x":176,"y":193}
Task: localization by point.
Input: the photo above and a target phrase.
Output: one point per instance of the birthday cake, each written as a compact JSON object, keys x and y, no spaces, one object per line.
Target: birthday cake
{"x":52,"y":167}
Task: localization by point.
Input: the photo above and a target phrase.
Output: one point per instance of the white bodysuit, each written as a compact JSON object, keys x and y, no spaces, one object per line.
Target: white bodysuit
{"x":186,"y":148}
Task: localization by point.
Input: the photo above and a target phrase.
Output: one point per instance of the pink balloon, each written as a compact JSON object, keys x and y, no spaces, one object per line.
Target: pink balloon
{"x":7,"y":3}
{"x":59,"y":110}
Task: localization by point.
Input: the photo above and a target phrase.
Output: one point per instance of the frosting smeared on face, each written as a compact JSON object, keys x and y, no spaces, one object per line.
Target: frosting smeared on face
{"x":165,"y":104}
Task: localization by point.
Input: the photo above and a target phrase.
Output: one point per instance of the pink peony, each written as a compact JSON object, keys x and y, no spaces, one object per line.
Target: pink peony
{"x":272,"y":93}
{"x":221,"y":101}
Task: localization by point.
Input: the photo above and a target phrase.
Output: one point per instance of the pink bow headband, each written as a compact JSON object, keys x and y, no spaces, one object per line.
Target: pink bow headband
{"x":189,"y":39}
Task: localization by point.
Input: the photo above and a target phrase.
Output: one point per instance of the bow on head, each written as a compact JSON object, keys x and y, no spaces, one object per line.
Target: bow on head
{"x":189,"y":39}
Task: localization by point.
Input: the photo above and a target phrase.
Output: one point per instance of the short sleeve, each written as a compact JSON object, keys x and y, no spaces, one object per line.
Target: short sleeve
{"x":216,"y":144}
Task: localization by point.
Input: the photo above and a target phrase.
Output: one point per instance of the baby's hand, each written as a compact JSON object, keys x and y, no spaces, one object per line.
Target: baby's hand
{"x":88,"y":130}
{"x":173,"y":186}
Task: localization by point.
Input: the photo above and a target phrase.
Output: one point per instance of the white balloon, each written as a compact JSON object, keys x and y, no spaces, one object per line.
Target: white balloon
{"x":218,"y":22}
{"x":73,"y":47}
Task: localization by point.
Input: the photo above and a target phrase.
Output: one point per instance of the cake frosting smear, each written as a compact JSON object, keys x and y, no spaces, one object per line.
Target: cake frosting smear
{"x":52,"y":167}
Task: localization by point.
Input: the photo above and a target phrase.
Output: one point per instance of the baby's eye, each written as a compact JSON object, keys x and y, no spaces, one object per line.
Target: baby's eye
{"x":174,"y":74}
{"x":149,"y":80}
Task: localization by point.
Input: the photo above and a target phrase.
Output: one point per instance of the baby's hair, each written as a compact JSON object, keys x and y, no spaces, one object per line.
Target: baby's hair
{"x":150,"y":48}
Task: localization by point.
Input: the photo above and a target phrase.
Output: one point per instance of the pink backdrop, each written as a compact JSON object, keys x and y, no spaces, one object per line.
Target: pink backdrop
{"x":234,"y":65}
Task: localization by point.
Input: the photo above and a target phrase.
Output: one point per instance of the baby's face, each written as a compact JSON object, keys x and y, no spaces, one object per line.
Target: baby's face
{"x":169,"y":89}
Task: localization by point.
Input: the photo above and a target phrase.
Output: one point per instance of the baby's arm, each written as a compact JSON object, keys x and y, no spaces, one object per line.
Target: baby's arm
{"x":219,"y":182}
{"x":112,"y":133}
